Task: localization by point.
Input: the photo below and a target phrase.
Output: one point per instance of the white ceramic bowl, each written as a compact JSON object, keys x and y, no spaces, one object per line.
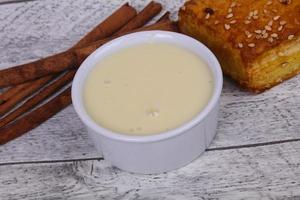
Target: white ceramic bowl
{"x":155,"y":153}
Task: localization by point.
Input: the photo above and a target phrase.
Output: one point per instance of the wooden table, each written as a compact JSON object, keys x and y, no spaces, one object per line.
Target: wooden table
{"x":255,"y":155}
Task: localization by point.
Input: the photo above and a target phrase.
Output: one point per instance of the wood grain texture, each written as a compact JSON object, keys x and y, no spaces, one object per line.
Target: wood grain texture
{"x":33,"y":29}
{"x":38,"y":28}
{"x":254,"y":173}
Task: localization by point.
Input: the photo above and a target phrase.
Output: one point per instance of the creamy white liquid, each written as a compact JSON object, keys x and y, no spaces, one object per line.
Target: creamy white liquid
{"x":147,"y":89}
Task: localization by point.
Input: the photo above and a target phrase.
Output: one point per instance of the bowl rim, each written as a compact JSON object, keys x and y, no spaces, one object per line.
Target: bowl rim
{"x":139,"y":38}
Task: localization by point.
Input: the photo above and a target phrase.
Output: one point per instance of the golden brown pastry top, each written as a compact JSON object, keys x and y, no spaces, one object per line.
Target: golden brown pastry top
{"x":252,"y":26}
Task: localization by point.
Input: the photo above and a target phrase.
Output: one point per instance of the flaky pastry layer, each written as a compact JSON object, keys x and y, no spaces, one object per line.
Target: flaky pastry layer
{"x":257,"y":42}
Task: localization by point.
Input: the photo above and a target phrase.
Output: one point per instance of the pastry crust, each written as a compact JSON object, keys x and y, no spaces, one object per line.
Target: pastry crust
{"x":257,"y":42}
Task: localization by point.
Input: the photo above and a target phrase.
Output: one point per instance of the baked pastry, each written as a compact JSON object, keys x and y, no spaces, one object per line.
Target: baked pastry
{"x":257,"y":42}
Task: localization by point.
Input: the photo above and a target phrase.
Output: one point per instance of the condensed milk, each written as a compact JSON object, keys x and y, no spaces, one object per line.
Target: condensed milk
{"x":147,"y":89}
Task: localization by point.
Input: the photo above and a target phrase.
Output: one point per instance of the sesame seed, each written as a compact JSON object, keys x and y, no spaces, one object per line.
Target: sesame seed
{"x":248,"y":34}
{"x":281,"y":54}
{"x":229,"y":15}
{"x":233,"y":4}
{"x":233,"y":21}
{"x":282,"y":22}
{"x":290,"y":37}
{"x":183,"y":8}
{"x":270,"y":39}
{"x":264,"y":31}
{"x":251,"y":45}
{"x":269,"y":3}
{"x":274,"y":35}
{"x":217,"y":22}
{"x":227,"y":26}
{"x":207,"y":16}
{"x":240,"y":45}
{"x":258,"y":31}
{"x":274,"y":10}
{"x":270,"y":23}
{"x":229,"y":10}
{"x":280,"y":28}
{"x":268,"y":28}
{"x":255,"y":12}
{"x":265,"y":35}
{"x":247,"y":22}
{"x":255,"y":17}
{"x":276,"y":18}
{"x":265,"y":11}
{"x":284,"y":64}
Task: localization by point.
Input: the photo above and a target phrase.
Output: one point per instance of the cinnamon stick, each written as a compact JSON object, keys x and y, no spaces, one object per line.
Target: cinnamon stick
{"x":36,"y":117}
{"x":53,"y":64}
{"x":65,"y":60}
{"x":9,"y":93}
{"x":142,"y":18}
{"x":59,"y":61}
{"x":36,"y":99}
{"x":139,"y":20}
{"x":22,"y":73}
{"x":83,"y":53}
{"x":29,"y":89}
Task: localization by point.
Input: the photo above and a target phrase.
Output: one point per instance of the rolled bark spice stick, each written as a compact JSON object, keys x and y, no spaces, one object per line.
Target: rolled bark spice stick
{"x":139,"y":20}
{"x":43,"y":67}
{"x":143,"y":17}
{"x":57,"y":61}
{"x":36,"y":69}
{"x":9,"y":93}
{"x":64,"y":60}
{"x":99,"y":32}
{"x":27,"y":91}
{"x":83,"y":53}
{"x":36,"y":117}
{"x":36,"y":99}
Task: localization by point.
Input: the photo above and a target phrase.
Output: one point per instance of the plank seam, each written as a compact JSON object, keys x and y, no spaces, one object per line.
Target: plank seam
{"x":50,"y":161}
{"x":253,"y":145}
{"x":210,"y":149}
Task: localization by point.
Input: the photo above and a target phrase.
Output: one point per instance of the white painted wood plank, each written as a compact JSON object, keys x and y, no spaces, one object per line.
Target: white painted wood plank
{"x":35,"y":29}
{"x":269,"y":172}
